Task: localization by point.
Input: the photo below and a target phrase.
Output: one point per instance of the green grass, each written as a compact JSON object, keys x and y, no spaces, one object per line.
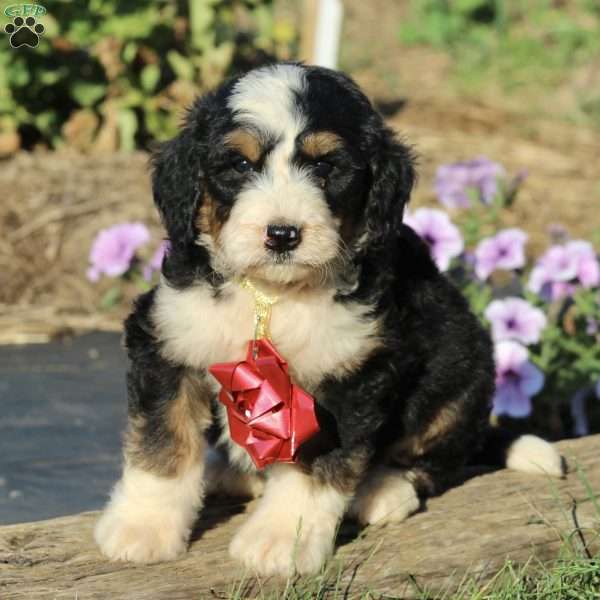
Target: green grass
{"x":573,"y":575}
{"x":566,"y":578}
{"x":516,"y":46}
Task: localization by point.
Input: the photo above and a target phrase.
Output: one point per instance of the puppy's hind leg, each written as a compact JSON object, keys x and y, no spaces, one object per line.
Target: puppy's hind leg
{"x":223,"y":478}
{"x":386,"y":495}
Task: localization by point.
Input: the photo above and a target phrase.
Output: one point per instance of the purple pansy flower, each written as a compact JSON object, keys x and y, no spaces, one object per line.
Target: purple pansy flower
{"x":454,"y":181}
{"x":562,"y":267}
{"x":588,"y":268}
{"x":438,"y":231}
{"x":114,"y":248}
{"x":505,"y":250}
{"x":155,"y":263}
{"x":557,"y":264}
{"x":515,"y":319}
{"x":517,"y":380}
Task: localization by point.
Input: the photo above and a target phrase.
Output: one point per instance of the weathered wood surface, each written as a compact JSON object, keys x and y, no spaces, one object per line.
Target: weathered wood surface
{"x":473,"y":527}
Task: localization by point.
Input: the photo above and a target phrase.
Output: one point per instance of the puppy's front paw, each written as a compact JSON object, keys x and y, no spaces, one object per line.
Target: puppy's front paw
{"x":283,"y":547}
{"x":150,"y":518}
{"x":140,"y":536}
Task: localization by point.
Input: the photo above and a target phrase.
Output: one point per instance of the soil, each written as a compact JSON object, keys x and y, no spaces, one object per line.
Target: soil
{"x":54,"y":203}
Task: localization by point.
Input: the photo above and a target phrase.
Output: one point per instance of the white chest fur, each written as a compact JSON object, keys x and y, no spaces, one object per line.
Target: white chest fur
{"x":315,"y":334}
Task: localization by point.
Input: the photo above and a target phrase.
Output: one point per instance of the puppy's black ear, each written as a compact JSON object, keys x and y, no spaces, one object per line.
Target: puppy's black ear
{"x":178,"y":189}
{"x":393,"y":175}
{"x":177,"y":186}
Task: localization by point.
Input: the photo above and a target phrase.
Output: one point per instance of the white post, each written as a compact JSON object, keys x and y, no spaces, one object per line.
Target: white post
{"x":322,"y":35}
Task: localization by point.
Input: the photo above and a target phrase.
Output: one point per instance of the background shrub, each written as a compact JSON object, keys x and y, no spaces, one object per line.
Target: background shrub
{"x":115,"y":74}
{"x":516,"y":45}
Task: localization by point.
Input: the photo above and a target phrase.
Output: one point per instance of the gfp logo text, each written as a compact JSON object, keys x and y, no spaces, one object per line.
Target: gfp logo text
{"x":25,"y":10}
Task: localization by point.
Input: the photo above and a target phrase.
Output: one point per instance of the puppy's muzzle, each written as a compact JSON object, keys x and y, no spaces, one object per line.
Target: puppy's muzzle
{"x":282,"y":238}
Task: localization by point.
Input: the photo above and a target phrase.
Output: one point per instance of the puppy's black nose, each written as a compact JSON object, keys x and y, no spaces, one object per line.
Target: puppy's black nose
{"x":282,"y":238}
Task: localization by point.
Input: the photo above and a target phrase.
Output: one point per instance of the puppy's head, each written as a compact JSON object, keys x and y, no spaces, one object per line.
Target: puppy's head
{"x":282,"y":175}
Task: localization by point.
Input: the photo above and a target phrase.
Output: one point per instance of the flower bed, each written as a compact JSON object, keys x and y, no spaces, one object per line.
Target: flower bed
{"x":543,"y":312}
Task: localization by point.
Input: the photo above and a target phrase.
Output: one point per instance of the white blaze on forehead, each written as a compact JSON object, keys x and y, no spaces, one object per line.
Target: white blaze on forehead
{"x":264,"y":98}
{"x":283,"y":191}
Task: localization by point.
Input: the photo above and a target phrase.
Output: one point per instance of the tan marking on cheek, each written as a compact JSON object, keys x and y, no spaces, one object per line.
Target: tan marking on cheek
{"x":245,"y":143}
{"x":207,"y":220}
{"x":320,"y":143}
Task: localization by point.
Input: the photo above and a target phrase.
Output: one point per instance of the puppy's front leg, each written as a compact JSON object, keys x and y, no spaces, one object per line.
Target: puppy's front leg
{"x":149,"y":517}
{"x":294,"y":525}
{"x":153,"y":507}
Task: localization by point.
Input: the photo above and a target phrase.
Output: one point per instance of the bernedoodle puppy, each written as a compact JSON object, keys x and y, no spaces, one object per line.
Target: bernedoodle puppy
{"x":287,"y":178}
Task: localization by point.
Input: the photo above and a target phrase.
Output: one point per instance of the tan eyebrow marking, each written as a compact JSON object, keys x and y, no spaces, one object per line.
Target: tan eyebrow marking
{"x":245,"y":143}
{"x":321,"y":142}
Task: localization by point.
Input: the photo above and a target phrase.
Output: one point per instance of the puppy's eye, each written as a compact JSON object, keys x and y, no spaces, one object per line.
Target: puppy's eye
{"x":242,"y":164}
{"x":323,"y":169}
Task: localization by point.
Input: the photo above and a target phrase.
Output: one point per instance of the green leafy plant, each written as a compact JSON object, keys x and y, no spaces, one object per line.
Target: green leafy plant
{"x":535,"y":45}
{"x":116,"y":74}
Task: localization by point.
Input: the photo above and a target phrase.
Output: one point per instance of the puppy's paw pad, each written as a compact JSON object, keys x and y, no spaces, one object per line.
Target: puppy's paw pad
{"x":284,"y":550}
{"x":531,"y":454}
{"x":388,"y":497}
{"x":147,"y":540}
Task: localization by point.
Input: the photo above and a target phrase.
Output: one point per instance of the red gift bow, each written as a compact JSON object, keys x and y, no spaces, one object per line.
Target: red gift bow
{"x":268,"y":415}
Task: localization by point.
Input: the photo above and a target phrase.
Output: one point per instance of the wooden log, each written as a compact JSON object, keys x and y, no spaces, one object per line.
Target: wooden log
{"x":473,"y":527}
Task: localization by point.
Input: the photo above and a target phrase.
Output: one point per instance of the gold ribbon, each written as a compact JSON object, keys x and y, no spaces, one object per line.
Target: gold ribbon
{"x":262,"y":309}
